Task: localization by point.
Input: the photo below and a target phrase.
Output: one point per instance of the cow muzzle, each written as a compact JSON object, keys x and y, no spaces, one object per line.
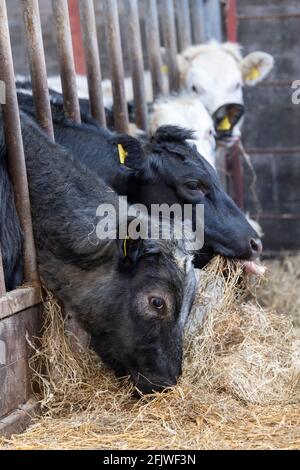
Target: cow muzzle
{"x":225,"y":118}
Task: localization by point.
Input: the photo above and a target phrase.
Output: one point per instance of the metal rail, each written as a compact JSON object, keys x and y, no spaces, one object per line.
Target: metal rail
{"x":66,"y":59}
{"x":136,"y":62}
{"x":90,"y":43}
{"x":37,"y":65}
{"x":15,"y":151}
{"x":116,"y":65}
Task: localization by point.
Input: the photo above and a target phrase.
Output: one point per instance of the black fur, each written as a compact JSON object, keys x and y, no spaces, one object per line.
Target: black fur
{"x":109,"y":293}
{"x":10,"y":229}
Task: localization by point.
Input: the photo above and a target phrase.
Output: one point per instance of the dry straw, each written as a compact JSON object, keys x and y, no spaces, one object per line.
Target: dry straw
{"x":238,"y":390}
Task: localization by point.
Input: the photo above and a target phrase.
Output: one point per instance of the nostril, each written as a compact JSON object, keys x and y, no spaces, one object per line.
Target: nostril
{"x":256,"y":246}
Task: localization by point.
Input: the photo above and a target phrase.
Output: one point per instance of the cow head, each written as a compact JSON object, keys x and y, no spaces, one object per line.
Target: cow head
{"x":217,"y":73}
{"x":140,"y":329}
{"x":177,"y":173}
{"x":187,"y":112}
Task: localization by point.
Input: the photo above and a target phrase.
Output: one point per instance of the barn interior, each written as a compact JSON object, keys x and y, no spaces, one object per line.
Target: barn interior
{"x":239,"y":388}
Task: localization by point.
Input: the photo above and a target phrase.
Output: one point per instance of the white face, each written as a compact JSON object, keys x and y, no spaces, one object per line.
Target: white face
{"x":188,"y":112}
{"x":216,"y":78}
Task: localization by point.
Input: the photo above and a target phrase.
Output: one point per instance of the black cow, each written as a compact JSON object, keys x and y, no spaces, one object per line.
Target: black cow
{"x":10,"y":230}
{"x":165,"y":170}
{"x":134,"y":304}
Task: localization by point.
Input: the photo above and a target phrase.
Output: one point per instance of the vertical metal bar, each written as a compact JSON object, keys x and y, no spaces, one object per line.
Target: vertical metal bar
{"x":66,"y":59}
{"x":197,"y":17}
{"x":221,"y":166}
{"x":90,"y":41}
{"x":213,"y":19}
{"x":153,"y":44}
{"x":170,"y":42}
{"x":2,"y":279}
{"x":137,"y":65}
{"x":116,"y":64}
{"x":14,"y":145}
{"x":183,"y":20}
{"x":37,"y":65}
{"x":237,"y":176}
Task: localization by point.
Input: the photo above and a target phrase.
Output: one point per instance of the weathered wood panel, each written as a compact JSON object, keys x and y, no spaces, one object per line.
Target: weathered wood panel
{"x":15,"y":374}
{"x":271,"y":120}
{"x":271,"y":129}
{"x":19,"y":419}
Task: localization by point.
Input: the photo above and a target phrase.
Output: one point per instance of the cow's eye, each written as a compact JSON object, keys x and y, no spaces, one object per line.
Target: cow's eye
{"x":194,"y":88}
{"x":238,"y":86}
{"x":195,"y":186}
{"x":157,"y":302}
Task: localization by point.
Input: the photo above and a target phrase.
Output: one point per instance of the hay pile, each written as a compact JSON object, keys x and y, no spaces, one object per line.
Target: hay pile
{"x":281,"y":292}
{"x":239,"y":389}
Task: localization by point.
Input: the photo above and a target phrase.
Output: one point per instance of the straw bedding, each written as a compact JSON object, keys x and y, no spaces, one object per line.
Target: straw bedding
{"x":239,"y":388}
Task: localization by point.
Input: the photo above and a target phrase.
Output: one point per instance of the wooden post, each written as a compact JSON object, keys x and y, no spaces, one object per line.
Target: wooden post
{"x":37,"y":65}
{"x":94,"y":77}
{"x":116,"y":65}
{"x":66,"y":59}
{"x":183,"y":21}
{"x":153,"y":45}
{"x":137,"y":65}
{"x":15,"y":151}
{"x":170,"y":42}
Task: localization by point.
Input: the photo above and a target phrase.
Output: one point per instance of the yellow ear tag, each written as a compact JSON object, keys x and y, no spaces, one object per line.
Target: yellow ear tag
{"x":122,"y":154}
{"x":164,"y":69}
{"x":125,"y":246}
{"x":224,"y":125}
{"x":253,"y":74}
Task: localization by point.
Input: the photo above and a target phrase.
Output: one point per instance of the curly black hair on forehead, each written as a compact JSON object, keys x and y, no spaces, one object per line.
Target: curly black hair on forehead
{"x":172,"y":134}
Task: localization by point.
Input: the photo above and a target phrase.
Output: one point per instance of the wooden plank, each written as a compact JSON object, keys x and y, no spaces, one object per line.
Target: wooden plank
{"x":255,"y":35}
{"x":15,"y":374}
{"x":17,"y":421}
{"x":18,"y":300}
{"x":271,"y":119}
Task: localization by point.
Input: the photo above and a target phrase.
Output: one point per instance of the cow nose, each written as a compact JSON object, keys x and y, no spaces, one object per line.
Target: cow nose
{"x":256,"y":247}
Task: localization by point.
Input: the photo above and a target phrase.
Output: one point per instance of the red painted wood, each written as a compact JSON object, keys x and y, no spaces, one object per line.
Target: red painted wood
{"x":231,"y":20}
{"x":77,"y":37}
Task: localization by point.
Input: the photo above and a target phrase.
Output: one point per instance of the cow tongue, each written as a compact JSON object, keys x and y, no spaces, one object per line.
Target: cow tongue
{"x":251,"y":267}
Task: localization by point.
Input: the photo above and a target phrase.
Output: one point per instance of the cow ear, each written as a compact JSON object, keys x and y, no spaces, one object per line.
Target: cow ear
{"x":129,"y":150}
{"x":130,"y":251}
{"x":255,"y":67}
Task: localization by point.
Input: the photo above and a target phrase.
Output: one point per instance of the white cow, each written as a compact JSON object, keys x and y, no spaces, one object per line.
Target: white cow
{"x":186,"y":111}
{"x":54,"y":82}
{"x":217,"y":72}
